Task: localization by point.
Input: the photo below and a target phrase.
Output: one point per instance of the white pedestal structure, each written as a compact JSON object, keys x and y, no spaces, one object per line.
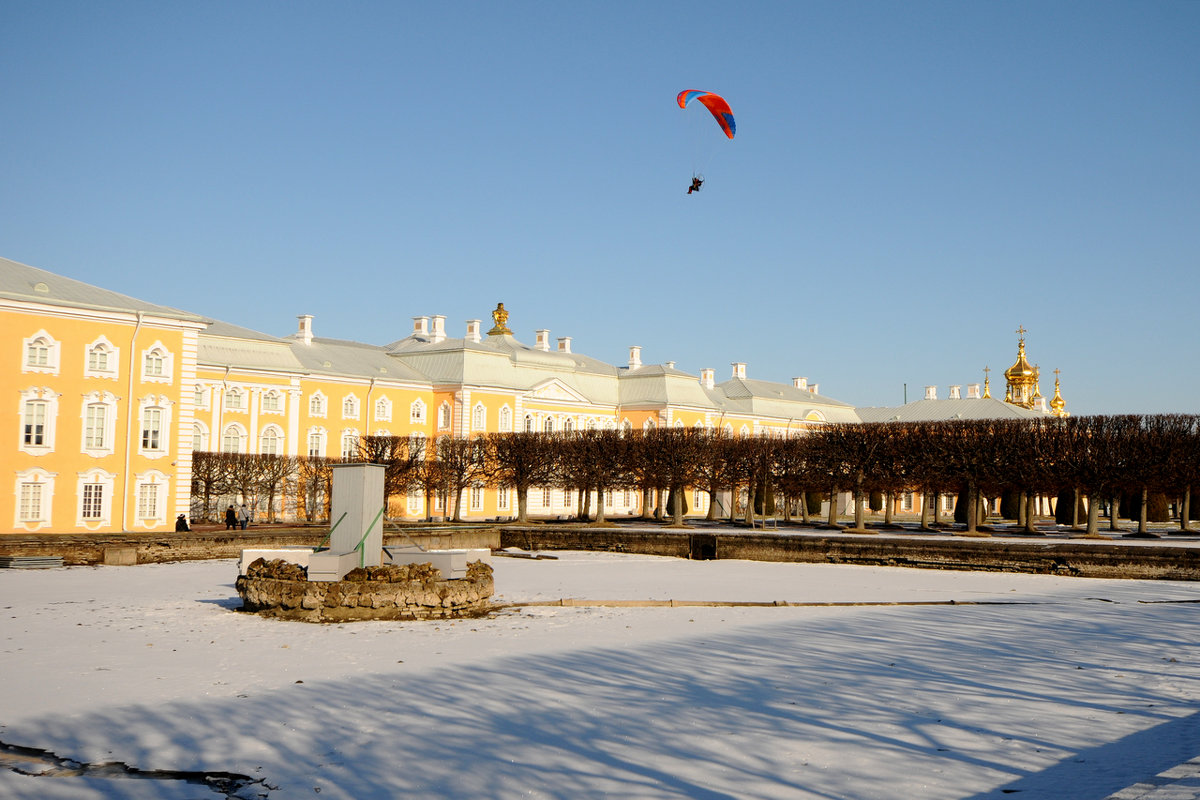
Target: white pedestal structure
{"x":356,"y":539}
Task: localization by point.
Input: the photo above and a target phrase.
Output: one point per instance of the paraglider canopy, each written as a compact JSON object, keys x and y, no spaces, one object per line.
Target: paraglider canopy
{"x":716,"y":104}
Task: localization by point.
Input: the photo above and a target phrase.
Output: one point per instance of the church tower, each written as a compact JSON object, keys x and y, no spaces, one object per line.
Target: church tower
{"x":1022,"y":388}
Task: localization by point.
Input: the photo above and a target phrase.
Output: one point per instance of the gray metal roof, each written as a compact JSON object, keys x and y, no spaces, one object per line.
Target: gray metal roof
{"x":23,"y":282}
{"x":938,"y":410}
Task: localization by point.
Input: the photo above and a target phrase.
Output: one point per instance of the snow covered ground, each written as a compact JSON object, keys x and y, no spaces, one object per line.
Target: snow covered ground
{"x":1028,"y":686}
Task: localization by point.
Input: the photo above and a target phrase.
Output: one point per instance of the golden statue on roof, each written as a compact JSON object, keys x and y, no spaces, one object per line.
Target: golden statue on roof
{"x":500,"y":317}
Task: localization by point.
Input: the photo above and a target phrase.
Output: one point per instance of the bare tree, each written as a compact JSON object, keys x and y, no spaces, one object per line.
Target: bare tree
{"x":520,"y":460}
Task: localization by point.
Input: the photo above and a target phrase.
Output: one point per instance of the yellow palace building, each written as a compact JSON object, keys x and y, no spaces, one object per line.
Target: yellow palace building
{"x":108,"y":397}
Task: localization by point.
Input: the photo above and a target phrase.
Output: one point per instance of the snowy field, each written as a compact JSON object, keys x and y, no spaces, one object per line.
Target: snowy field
{"x":1028,"y":686}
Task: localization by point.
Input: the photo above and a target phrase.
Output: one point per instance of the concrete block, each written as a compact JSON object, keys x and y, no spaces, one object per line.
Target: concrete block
{"x":120,"y":556}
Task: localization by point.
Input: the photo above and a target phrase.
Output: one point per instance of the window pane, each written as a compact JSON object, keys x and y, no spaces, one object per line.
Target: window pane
{"x":35,"y":422}
{"x":93,"y":500}
{"x":94,"y":433}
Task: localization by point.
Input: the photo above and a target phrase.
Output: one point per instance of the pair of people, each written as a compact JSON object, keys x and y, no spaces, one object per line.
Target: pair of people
{"x":237,"y":519}
{"x":697,"y":182}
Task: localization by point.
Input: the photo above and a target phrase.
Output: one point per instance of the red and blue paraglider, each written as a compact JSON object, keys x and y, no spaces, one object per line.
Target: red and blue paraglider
{"x":721,"y":112}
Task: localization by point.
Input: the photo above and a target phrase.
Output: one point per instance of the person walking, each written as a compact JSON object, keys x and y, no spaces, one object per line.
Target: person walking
{"x":230,"y":519}
{"x":243,"y":516}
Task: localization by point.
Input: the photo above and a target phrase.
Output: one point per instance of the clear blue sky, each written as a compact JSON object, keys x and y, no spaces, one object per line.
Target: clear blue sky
{"x":909,"y":183}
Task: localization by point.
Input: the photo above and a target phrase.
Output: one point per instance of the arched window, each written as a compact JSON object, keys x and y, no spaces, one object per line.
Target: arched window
{"x":444,"y":416}
{"x":383,"y":410}
{"x":272,"y":401}
{"x":233,"y":439}
{"x":548,"y":425}
{"x":528,"y":423}
{"x":505,"y":418}
{"x":478,"y":417}
{"x":416,"y":411}
{"x":101,"y":359}
{"x":350,"y":407}
{"x":349,"y":445}
{"x":316,"y":405}
{"x":268,"y":441}
{"x":199,"y":437}
{"x":316,"y":443}
{"x":235,"y":399}
{"x":568,"y":425}
{"x":156,"y":363}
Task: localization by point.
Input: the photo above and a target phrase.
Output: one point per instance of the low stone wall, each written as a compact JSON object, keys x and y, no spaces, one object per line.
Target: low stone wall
{"x":412,"y":591}
{"x":154,"y":548}
{"x":1079,"y":558}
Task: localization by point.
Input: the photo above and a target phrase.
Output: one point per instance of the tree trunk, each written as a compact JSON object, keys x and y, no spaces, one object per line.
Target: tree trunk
{"x":972,"y":508}
{"x":1185,"y":516}
{"x":804,"y":508}
{"x":889,"y":500}
{"x":1093,"y":519}
{"x":937,"y":501}
{"x":926,"y":498}
{"x":833,"y":507}
{"x":711,"y":516}
{"x":677,"y":511}
{"x":522,"y":504}
{"x":599,"y":504}
{"x":858,"y":504}
{"x":1114,"y":512}
{"x":1029,"y":503}
{"x":1075,"y":509}
{"x":1142,"y":513}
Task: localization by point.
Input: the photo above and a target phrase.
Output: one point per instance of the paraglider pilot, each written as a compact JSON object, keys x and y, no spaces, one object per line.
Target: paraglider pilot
{"x":696,"y":183}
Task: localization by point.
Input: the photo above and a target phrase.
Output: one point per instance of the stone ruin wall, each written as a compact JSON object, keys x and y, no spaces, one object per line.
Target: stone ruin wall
{"x":391,"y":592}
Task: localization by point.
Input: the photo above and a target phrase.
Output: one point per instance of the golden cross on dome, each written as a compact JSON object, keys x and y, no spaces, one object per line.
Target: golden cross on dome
{"x":1021,"y":331}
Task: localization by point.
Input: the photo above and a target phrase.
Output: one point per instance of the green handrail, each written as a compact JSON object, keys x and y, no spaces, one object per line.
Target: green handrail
{"x":362,"y":554}
{"x":331,"y":530}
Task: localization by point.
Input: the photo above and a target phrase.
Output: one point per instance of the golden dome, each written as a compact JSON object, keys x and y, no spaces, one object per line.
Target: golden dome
{"x":1020,"y":371}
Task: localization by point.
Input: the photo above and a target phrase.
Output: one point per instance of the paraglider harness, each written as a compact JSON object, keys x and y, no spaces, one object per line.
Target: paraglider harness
{"x":697,"y":182}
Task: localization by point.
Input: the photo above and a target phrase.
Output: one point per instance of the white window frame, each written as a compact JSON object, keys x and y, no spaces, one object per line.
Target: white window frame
{"x":201,"y":396}
{"x":349,"y":444}
{"x":271,"y":402}
{"x":104,"y":482}
{"x":319,"y":437}
{"x":146,"y":407}
{"x":34,"y":519}
{"x":477,"y":497}
{"x":479,"y":417}
{"x":234,"y":399}
{"x":48,"y":399}
{"x":237,"y":430}
{"x":165,"y":360}
{"x":150,"y":499}
{"x":276,"y":434}
{"x":107,"y":446}
{"x":45,"y":344}
{"x":318,"y":404}
{"x":502,"y":498}
{"x":445,"y":418}
{"x":505,"y":419}
{"x":416,"y":412}
{"x":112,"y":355}
{"x":383,"y":410}
{"x":199,"y":436}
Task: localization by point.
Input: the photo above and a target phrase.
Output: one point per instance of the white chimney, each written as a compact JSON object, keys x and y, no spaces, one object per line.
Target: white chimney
{"x":956,"y":392}
{"x":473,"y":326}
{"x":973,"y":392}
{"x":814,"y":388}
{"x":635,"y":357}
{"x":669,"y":364}
{"x":542,"y":340}
{"x":931,"y":393}
{"x":706,"y":378}
{"x":564,"y":344}
{"x":800,"y":383}
{"x":739,"y":370}
{"x":439,"y":328}
{"x":420,"y":326}
{"x":305,"y":332}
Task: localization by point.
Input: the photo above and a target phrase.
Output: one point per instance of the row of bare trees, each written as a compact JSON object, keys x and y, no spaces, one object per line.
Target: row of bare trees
{"x":1097,"y":457}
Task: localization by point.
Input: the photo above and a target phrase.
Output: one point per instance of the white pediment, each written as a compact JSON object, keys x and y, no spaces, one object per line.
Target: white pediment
{"x":555,"y":390}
